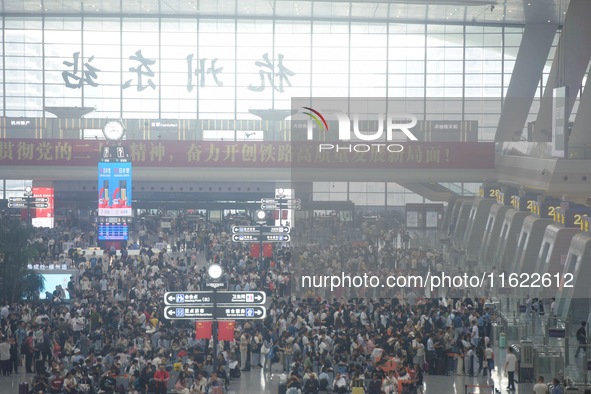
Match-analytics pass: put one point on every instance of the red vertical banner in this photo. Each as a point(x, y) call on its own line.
point(267, 250)
point(226, 330)
point(255, 250)
point(203, 330)
point(283, 214)
point(44, 217)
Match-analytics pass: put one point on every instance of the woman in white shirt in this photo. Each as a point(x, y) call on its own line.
point(199, 386)
point(70, 383)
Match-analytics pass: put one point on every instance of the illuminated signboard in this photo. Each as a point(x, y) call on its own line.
point(114, 186)
point(113, 232)
point(44, 217)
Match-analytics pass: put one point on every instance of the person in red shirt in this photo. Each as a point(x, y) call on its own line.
point(161, 377)
point(57, 382)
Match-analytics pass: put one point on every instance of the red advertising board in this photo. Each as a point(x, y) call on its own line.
point(44, 217)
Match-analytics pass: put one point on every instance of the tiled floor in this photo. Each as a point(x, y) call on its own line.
point(256, 382)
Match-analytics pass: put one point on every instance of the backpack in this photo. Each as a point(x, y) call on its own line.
point(428, 327)
point(440, 323)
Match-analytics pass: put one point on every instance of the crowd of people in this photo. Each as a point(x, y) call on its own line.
point(111, 335)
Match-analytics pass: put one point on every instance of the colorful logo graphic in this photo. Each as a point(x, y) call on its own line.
point(318, 118)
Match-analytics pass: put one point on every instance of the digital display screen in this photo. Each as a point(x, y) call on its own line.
point(113, 232)
point(114, 186)
point(52, 280)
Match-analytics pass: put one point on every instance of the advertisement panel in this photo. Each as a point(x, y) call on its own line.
point(44, 217)
point(114, 186)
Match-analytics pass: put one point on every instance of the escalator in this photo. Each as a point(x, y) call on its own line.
point(438, 191)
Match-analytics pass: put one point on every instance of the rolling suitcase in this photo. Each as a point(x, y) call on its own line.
point(23, 388)
point(282, 388)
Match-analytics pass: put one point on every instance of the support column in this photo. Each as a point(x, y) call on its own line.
point(579, 142)
point(529, 65)
point(569, 64)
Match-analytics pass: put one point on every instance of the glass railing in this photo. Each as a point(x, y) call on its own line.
point(457, 188)
point(540, 150)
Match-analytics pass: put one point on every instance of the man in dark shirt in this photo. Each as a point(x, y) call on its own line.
point(108, 382)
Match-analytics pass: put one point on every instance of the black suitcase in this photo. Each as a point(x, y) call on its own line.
point(282, 388)
point(23, 388)
point(40, 366)
point(235, 373)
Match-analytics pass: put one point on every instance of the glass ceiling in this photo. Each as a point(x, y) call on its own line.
point(489, 12)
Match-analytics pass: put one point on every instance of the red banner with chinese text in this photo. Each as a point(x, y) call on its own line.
point(259, 154)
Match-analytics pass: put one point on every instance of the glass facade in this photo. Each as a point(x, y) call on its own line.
point(222, 68)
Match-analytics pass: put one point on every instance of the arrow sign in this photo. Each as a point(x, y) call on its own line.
point(27, 205)
point(171, 312)
point(288, 201)
point(268, 200)
point(264, 229)
point(257, 238)
point(221, 297)
point(276, 238)
point(24, 200)
point(245, 229)
point(276, 229)
point(208, 312)
point(246, 238)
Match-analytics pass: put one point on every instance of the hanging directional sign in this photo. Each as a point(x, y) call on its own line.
point(268, 200)
point(276, 238)
point(257, 238)
point(264, 229)
point(246, 238)
point(209, 312)
point(27, 205)
point(221, 297)
point(245, 312)
point(18, 199)
point(273, 206)
point(25, 200)
point(203, 312)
